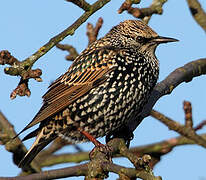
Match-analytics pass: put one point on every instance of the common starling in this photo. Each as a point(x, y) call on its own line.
point(107, 85)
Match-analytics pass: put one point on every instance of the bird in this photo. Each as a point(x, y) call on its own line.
point(106, 86)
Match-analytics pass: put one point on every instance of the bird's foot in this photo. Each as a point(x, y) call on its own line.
point(98, 146)
point(105, 149)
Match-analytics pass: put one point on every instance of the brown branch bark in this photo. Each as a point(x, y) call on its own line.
point(70, 49)
point(69, 31)
point(80, 170)
point(92, 32)
point(183, 130)
point(14, 146)
point(127, 4)
point(200, 126)
point(188, 114)
point(197, 12)
point(82, 4)
point(155, 150)
point(155, 8)
point(143, 13)
point(131, 173)
point(98, 167)
point(22, 89)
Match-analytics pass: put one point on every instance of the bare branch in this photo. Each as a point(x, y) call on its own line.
point(129, 172)
point(92, 32)
point(99, 166)
point(22, 89)
point(82, 4)
point(127, 4)
point(200, 126)
point(7, 58)
point(143, 13)
point(183, 130)
point(69, 31)
point(188, 114)
point(80, 170)
point(14, 146)
point(72, 51)
point(155, 150)
point(197, 12)
point(25, 65)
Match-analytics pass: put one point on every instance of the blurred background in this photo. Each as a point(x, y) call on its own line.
point(27, 25)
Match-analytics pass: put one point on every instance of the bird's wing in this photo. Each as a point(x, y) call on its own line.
point(84, 74)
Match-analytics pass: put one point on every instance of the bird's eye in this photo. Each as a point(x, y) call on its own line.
point(140, 39)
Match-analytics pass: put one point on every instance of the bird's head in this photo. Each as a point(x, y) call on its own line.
point(138, 35)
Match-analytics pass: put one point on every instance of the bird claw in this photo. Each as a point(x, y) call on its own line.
point(105, 149)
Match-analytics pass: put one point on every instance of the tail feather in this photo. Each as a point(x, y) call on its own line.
point(40, 142)
point(31, 134)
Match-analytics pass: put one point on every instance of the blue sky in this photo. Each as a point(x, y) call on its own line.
point(27, 25)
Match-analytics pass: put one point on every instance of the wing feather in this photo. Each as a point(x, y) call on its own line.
point(70, 86)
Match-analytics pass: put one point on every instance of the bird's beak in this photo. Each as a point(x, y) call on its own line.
point(160, 39)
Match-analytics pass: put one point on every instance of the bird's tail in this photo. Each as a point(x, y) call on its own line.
point(40, 142)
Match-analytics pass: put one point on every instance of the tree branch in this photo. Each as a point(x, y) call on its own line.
point(183, 130)
point(80, 170)
point(200, 126)
point(15, 146)
point(25, 65)
point(92, 32)
point(129, 172)
point(22, 89)
point(99, 166)
point(70, 49)
point(155, 150)
point(197, 12)
point(188, 114)
point(143, 13)
point(82, 4)
point(127, 4)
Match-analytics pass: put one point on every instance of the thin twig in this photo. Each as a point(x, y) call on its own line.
point(197, 12)
point(183, 130)
point(188, 114)
point(92, 32)
point(200, 126)
point(80, 170)
point(82, 4)
point(72, 51)
point(14, 146)
point(143, 13)
point(25, 65)
point(127, 4)
point(129, 172)
point(69, 31)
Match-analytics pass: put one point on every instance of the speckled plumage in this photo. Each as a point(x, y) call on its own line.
point(107, 85)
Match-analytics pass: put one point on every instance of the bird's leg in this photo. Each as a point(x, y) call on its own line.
point(102, 148)
point(90, 137)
